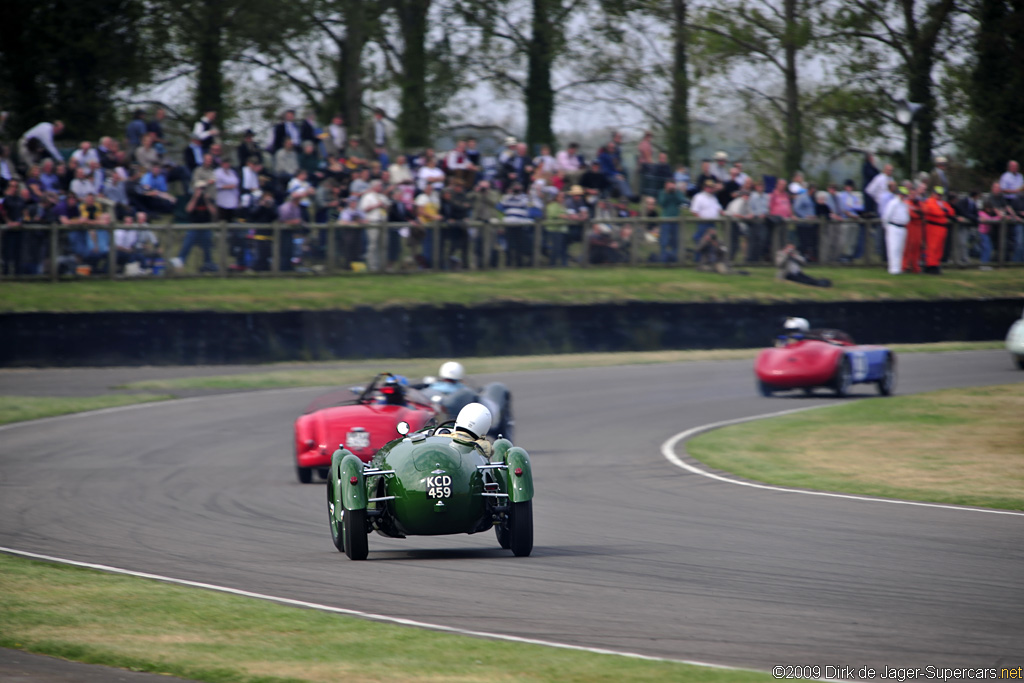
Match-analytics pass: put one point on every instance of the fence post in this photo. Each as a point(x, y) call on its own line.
point(435, 255)
point(538, 236)
point(222, 248)
point(332, 247)
point(681, 237)
point(1004, 227)
point(275, 250)
point(54, 245)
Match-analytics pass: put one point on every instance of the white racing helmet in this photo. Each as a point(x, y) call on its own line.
point(796, 325)
point(452, 371)
point(474, 418)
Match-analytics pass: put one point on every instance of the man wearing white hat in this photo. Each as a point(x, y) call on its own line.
point(720, 169)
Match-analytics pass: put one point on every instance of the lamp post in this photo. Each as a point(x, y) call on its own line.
point(906, 113)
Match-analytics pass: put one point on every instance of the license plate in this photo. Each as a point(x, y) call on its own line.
point(357, 440)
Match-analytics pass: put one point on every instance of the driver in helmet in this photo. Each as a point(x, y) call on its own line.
point(392, 392)
point(793, 328)
point(471, 427)
point(449, 378)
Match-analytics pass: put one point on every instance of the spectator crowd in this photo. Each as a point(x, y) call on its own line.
point(303, 175)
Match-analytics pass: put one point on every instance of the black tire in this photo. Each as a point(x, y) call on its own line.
point(336, 535)
point(501, 531)
point(520, 528)
point(1020, 362)
point(765, 389)
point(508, 422)
point(888, 381)
point(843, 379)
point(305, 474)
point(353, 527)
point(323, 472)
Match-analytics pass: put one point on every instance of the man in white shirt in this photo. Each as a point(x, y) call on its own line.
point(1011, 181)
point(895, 218)
point(879, 187)
point(37, 139)
point(205, 131)
point(705, 205)
point(459, 164)
point(374, 205)
point(226, 181)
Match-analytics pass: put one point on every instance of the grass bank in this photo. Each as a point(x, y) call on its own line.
point(960, 446)
point(146, 625)
point(577, 286)
point(20, 408)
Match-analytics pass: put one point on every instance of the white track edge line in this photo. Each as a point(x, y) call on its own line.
point(668, 450)
point(365, 615)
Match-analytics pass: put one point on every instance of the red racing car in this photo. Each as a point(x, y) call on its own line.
point(363, 425)
point(806, 359)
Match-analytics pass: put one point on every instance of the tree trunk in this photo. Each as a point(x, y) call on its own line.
point(540, 97)
point(210, 58)
point(794, 152)
point(414, 118)
point(678, 133)
point(348, 97)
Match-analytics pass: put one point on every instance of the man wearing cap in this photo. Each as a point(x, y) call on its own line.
point(937, 216)
point(939, 174)
point(895, 220)
point(720, 169)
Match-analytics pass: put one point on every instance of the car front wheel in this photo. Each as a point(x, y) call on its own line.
point(888, 381)
point(844, 378)
point(765, 389)
point(305, 474)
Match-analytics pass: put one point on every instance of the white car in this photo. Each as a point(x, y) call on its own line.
point(1015, 342)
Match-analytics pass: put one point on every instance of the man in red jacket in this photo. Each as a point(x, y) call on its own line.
point(937, 217)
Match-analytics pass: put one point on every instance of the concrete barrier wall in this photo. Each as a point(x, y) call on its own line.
point(197, 338)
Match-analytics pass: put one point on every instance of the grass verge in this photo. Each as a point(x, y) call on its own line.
point(559, 286)
point(960, 446)
point(358, 372)
point(146, 625)
point(19, 408)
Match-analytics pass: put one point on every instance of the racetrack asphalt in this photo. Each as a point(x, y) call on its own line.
point(631, 553)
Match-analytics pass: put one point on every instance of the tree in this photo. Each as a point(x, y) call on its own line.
point(913, 37)
point(68, 60)
point(995, 88)
point(775, 41)
point(518, 53)
point(630, 67)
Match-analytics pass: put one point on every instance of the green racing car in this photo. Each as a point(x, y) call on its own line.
point(445, 479)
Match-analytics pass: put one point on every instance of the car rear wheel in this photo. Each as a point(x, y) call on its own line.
point(765, 389)
point(888, 381)
point(844, 378)
point(520, 528)
point(1020, 362)
point(353, 526)
point(305, 474)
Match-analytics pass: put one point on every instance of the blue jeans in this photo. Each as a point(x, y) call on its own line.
point(197, 238)
point(668, 237)
point(985, 244)
point(1017, 232)
point(558, 255)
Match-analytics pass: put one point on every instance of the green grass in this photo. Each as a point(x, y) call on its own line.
point(960, 446)
point(147, 625)
point(563, 286)
point(19, 408)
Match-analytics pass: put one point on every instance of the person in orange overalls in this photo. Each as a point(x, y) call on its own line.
point(937, 216)
point(915, 233)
